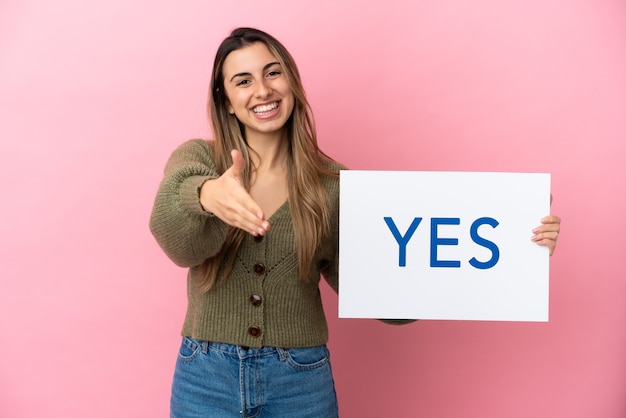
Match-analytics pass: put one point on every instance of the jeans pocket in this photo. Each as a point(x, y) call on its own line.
point(189, 349)
point(310, 358)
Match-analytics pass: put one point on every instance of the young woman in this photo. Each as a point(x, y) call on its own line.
point(254, 215)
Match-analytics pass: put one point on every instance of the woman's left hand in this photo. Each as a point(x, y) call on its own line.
point(548, 232)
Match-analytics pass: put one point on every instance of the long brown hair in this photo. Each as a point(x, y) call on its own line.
point(307, 164)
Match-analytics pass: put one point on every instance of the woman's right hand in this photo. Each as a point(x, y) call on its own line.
point(226, 198)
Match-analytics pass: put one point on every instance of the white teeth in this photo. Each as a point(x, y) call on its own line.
point(265, 108)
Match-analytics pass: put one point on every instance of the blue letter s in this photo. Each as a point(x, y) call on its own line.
point(495, 251)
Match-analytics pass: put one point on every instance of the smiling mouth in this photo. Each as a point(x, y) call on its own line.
point(265, 109)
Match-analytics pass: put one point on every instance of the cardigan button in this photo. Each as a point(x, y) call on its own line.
point(255, 299)
point(254, 331)
point(258, 238)
point(259, 268)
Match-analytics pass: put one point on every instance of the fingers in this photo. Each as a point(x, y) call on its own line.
point(547, 233)
point(551, 219)
point(241, 211)
point(246, 218)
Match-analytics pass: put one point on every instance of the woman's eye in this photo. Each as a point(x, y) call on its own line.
point(243, 82)
point(273, 73)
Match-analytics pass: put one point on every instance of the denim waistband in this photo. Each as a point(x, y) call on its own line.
point(238, 350)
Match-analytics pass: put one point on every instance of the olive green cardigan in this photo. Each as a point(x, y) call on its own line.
point(263, 303)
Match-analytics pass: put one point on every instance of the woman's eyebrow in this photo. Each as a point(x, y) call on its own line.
point(265, 67)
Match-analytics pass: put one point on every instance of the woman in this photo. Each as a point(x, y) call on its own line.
point(254, 215)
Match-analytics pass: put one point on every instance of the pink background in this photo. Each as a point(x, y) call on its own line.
point(95, 95)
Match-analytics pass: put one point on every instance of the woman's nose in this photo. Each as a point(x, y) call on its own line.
point(263, 90)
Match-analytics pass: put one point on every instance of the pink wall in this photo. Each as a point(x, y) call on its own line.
point(95, 95)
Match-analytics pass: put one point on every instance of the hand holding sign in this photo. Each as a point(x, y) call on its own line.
point(548, 232)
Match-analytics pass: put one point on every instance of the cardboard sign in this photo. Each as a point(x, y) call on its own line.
point(442, 245)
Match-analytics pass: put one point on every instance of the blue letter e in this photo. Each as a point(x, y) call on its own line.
point(435, 241)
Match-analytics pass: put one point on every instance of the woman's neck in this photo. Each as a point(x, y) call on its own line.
point(270, 151)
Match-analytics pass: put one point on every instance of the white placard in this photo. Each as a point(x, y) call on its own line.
point(442, 245)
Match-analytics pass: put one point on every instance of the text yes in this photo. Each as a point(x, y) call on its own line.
point(436, 241)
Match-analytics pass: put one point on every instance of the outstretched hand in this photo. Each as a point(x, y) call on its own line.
point(548, 232)
point(227, 198)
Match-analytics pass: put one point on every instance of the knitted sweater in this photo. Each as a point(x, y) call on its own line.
point(263, 302)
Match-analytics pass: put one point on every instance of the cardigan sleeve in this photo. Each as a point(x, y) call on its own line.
point(186, 233)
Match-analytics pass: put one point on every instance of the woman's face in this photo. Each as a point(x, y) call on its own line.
point(257, 90)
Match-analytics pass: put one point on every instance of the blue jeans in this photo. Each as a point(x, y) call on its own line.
point(222, 380)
